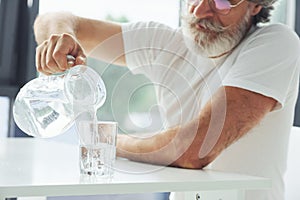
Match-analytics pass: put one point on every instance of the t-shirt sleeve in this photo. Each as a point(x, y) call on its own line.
point(143, 41)
point(267, 63)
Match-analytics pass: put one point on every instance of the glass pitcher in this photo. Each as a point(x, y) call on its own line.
point(48, 105)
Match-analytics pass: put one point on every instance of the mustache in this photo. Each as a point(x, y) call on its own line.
point(206, 23)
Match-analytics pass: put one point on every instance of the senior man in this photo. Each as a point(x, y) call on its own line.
point(226, 86)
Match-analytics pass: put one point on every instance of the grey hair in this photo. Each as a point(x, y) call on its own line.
point(264, 15)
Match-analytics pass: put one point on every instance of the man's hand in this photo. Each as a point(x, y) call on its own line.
point(51, 55)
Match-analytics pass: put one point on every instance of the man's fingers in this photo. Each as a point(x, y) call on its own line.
point(51, 55)
point(66, 45)
point(81, 60)
point(38, 59)
point(50, 61)
point(43, 66)
point(44, 62)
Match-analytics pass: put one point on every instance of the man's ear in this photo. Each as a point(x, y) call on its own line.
point(256, 9)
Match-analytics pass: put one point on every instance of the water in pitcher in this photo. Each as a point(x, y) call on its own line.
point(45, 118)
point(47, 106)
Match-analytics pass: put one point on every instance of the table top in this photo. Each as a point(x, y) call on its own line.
point(40, 167)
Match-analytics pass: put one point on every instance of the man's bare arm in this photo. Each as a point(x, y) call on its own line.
point(63, 33)
point(230, 114)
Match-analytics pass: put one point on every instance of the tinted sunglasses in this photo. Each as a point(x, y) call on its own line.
point(219, 6)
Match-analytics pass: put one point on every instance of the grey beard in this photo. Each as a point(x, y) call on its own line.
point(218, 40)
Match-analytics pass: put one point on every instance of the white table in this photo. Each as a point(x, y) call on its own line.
point(37, 167)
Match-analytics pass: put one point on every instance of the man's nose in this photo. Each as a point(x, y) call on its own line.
point(203, 10)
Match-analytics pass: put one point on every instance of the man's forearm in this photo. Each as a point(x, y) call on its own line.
point(170, 148)
point(99, 39)
point(54, 23)
point(225, 119)
point(157, 149)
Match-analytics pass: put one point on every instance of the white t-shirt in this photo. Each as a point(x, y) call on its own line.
point(265, 62)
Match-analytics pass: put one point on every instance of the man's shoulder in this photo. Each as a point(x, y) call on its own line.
point(270, 41)
point(278, 36)
point(276, 30)
point(276, 26)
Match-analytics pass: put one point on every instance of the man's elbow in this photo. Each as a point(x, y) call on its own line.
point(191, 163)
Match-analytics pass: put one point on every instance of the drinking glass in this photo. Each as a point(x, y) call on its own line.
point(97, 147)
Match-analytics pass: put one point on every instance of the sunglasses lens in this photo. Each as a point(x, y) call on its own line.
point(222, 5)
point(219, 6)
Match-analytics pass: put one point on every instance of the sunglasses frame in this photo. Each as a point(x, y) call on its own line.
point(213, 6)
